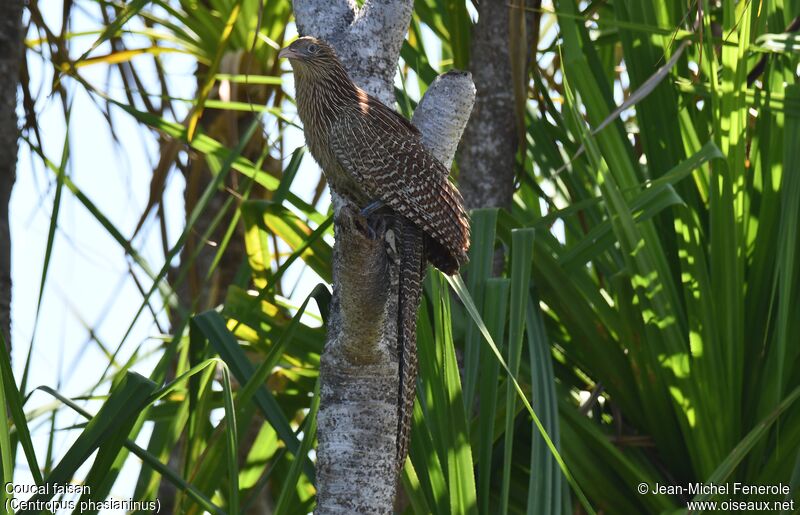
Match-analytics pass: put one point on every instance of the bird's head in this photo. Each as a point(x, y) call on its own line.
point(318, 73)
point(309, 51)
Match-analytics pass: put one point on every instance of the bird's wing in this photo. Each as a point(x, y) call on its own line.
point(391, 164)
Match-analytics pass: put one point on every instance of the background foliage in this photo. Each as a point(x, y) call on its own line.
point(647, 305)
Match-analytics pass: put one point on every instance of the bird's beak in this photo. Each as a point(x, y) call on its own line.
point(287, 53)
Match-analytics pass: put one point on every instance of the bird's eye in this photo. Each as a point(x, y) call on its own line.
point(312, 48)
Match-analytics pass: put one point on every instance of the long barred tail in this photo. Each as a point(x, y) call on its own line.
point(412, 265)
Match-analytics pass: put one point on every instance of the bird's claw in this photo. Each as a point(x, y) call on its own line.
point(371, 226)
point(371, 208)
point(376, 227)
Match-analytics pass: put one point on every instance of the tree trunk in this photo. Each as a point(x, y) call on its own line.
point(487, 156)
point(357, 421)
point(10, 51)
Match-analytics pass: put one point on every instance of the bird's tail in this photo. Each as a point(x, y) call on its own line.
point(412, 265)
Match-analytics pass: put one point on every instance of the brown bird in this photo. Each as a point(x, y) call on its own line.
point(374, 157)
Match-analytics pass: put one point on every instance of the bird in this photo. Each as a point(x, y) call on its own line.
point(374, 157)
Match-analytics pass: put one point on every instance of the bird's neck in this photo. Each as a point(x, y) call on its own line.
point(322, 94)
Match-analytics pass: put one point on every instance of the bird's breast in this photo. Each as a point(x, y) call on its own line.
point(318, 108)
point(318, 143)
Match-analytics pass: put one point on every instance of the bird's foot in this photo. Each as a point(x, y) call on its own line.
point(374, 223)
point(371, 227)
point(376, 226)
point(371, 208)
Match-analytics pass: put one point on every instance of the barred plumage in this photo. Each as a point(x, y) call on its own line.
point(368, 153)
point(412, 270)
point(391, 164)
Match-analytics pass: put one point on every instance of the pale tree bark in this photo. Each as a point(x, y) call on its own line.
point(10, 54)
point(357, 421)
point(487, 156)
